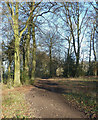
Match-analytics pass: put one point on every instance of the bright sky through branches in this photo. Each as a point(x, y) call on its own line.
point(49, 0)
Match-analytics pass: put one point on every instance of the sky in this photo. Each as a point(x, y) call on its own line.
point(84, 45)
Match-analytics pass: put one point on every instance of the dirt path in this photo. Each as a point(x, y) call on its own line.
point(46, 101)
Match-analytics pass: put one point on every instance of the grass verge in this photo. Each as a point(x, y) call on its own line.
point(82, 95)
point(15, 106)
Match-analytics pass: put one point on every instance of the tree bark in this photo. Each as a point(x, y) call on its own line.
point(17, 51)
point(15, 25)
point(9, 81)
point(78, 38)
point(50, 56)
point(27, 51)
point(34, 54)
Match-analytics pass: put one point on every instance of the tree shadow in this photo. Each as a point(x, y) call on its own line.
point(67, 86)
point(51, 86)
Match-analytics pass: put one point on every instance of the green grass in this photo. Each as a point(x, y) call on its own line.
point(14, 106)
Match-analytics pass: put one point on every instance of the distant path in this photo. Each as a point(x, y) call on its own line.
point(47, 102)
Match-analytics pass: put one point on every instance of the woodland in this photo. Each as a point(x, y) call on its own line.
point(49, 59)
point(48, 39)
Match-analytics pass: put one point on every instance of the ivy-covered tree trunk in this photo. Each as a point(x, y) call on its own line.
point(27, 53)
point(34, 54)
point(15, 25)
point(17, 51)
point(17, 64)
point(14, 12)
point(23, 72)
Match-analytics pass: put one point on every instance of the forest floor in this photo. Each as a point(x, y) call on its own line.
point(51, 98)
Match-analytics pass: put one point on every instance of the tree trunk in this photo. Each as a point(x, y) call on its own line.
point(17, 51)
point(17, 64)
point(77, 52)
point(27, 57)
point(50, 64)
point(97, 32)
point(90, 57)
point(34, 54)
point(68, 55)
point(78, 38)
point(9, 81)
point(23, 72)
point(95, 68)
point(0, 64)
point(14, 11)
point(96, 56)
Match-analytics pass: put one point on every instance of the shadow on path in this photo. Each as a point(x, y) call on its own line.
point(46, 101)
point(50, 86)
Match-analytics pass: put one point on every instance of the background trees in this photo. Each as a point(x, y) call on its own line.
point(49, 43)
